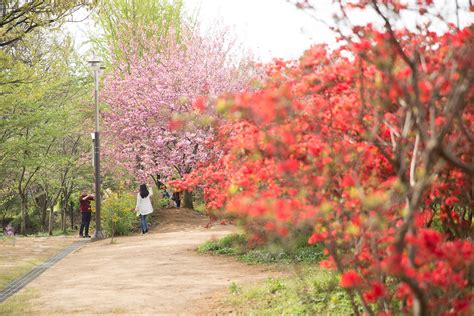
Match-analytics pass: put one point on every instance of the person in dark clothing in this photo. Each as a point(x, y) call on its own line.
point(86, 212)
point(177, 198)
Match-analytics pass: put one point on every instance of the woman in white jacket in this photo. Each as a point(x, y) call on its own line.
point(144, 207)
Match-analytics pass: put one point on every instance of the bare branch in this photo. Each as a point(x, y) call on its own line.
point(458, 163)
point(413, 160)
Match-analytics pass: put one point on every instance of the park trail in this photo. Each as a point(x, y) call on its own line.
point(159, 273)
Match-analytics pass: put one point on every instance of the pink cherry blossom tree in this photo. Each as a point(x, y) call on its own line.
point(148, 94)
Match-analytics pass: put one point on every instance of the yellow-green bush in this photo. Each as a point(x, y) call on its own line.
point(118, 213)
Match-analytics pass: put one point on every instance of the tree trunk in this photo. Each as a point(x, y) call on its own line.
point(157, 181)
point(44, 211)
point(51, 220)
point(71, 209)
point(62, 218)
point(188, 200)
point(42, 204)
point(66, 204)
point(24, 210)
point(63, 215)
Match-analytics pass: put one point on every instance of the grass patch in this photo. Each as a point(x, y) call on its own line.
point(26, 253)
point(18, 304)
point(17, 271)
point(312, 291)
point(57, 232)
point(236, 245)
point(230, 245)
point(200, 207)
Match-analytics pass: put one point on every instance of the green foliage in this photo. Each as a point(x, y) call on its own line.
point(234, 288)
point(307, 254)
point(57, 232)
point(200, 207)
point(231, 245)
point(198, 200)
point(163, 202)
point(121, 18)
point(42, 94)
point(310, 292)
point(158, 201)
point(237, 245)
point(18, 18)
point(118, 214)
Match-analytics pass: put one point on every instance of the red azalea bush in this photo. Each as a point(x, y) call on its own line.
point(374, 152)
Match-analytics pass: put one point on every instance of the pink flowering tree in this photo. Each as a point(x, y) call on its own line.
point(149, 95)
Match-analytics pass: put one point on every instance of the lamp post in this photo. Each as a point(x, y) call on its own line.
point(95, 67)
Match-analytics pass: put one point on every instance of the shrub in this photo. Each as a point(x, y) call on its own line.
point(371, 151)
point(238, 245)
point(118, 214)
point(229, 245)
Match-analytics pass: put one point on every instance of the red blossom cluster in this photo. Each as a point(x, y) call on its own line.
point(373, 152)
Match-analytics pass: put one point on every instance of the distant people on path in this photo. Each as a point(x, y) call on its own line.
point(144, 206)
point(86, 212)
point(9, 232)
point(165, 195)
point(177, 197)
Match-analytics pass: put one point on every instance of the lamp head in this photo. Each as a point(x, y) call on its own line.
point(95, 63)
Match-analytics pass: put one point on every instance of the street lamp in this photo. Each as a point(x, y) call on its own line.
point(96, 69)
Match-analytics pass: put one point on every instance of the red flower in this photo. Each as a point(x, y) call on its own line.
point(350, 279)
point(451, 200)
point(290, 165)
point(200, 103)
point(175, 124)
point(377, 290)
point(316, 237)
point(327, 264)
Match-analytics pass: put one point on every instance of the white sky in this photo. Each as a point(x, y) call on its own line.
point(269, 28)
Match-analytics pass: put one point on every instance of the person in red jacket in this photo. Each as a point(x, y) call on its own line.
point(86, 212)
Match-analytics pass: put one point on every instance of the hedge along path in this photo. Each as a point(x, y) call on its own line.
point(157, 273)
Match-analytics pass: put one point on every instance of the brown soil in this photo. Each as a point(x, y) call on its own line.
point(154, 274)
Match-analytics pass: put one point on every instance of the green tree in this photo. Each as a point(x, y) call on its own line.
point(39, 107)
point(130, 17)
point(18, 18)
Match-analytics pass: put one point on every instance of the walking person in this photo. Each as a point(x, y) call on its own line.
point(144, 206)
point(177, 197)
point(86, 213)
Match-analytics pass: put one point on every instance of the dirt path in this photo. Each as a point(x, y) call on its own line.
point(154, 274)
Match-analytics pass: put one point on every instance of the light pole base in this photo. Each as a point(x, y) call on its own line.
point(97, 235)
